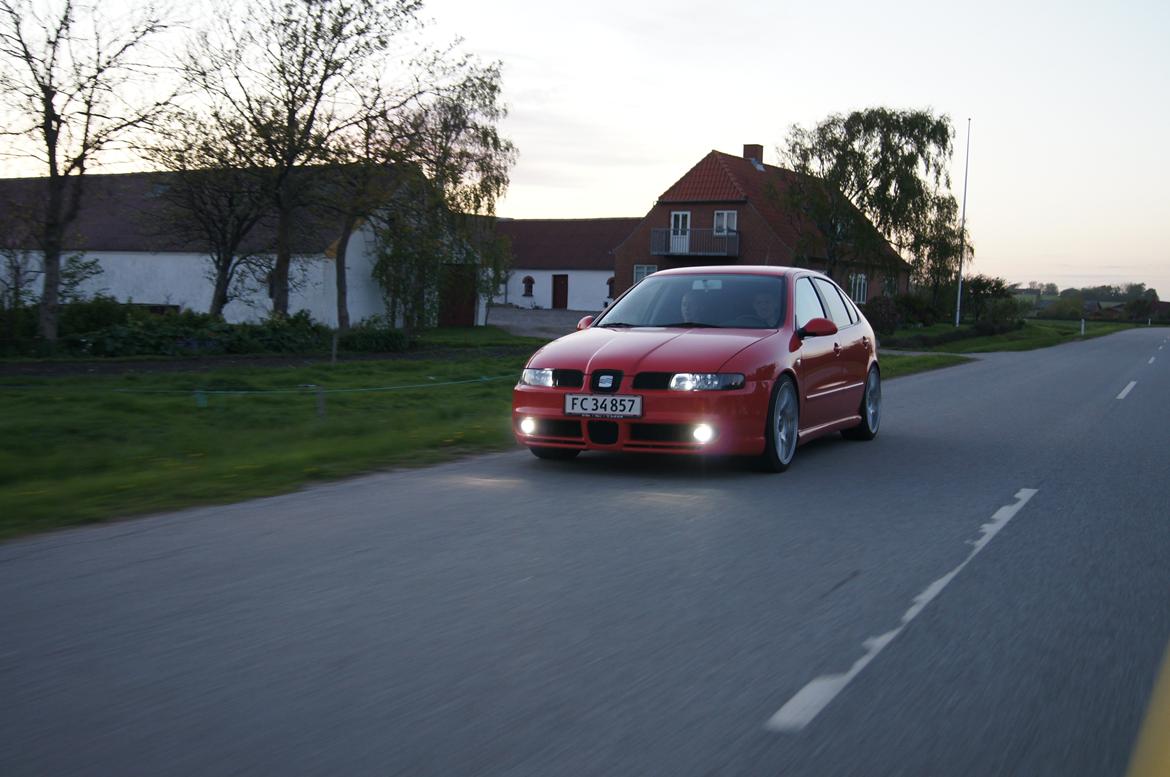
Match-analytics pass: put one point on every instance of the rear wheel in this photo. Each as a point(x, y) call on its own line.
point(553, 454)
point(783, 428)
point(870, 410)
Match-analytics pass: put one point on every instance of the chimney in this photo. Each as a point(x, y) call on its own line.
point(754, 153)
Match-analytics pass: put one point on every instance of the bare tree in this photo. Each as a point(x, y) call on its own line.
point(293, 74)
point(65, 78)
point(215, 199)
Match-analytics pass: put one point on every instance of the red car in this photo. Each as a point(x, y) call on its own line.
point(733, 360)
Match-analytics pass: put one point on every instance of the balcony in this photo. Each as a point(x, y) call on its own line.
point(693, 242)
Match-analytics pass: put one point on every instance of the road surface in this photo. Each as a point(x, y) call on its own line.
point(982, 590)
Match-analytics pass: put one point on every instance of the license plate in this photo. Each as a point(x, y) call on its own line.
point(604, 405)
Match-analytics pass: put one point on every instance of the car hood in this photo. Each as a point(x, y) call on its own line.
point(651, 349)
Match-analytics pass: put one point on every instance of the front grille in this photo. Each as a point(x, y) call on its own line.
point(551, 427)
point(568, 378)
point(603, 432)
point(595, 381)
point(652, 380)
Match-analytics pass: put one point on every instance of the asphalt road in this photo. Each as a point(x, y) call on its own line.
point(983, 590)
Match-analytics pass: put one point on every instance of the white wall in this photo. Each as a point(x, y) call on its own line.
point(587, 289)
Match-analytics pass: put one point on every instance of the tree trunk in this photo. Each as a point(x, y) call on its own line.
point(283, 260)
point(342, 287)
point(220, 292)
point(51, 260)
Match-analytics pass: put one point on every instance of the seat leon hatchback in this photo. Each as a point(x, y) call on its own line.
point(727, 360)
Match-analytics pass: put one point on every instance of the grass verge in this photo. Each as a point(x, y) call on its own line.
point(86, 448)
point(896, 365)
point(1035, 333)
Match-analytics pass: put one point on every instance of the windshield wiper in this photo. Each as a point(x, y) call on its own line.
point(614, 324)
point(691, 325)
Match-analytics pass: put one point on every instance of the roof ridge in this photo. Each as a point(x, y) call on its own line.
point(735, 181)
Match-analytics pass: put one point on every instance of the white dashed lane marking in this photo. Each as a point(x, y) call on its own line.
point(1151, 361)
point(1125, 391)
point(808, 702)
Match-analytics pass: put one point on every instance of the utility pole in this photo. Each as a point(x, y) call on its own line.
point(962, 227)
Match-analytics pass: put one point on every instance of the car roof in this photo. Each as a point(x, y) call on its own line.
point(738, 269)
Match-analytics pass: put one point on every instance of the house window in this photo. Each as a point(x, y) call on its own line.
point(642, 270)
point(725, 221)
point(858, 287)
point(609, 289)
point(528, 281)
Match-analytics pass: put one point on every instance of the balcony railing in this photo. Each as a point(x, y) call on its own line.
point(693, 242)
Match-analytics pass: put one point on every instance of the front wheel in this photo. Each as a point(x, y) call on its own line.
point(553, 454)
point(870, 410)
point(783, 428)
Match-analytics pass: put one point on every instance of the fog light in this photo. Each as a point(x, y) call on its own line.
point(528, 425)
point(703, 433)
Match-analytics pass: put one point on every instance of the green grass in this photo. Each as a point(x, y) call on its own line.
point(81, 449)
point(474, 337)
point(895, 365)
point(1036, 333)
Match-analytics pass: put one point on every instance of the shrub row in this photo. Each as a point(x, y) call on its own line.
point(104, 328)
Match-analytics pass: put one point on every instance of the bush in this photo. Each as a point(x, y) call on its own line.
point(374, 335)
point(882, 314)
point(914, 309)
point(999, 316)
point(91, 315)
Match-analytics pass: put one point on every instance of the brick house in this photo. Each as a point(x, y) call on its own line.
point(731, 210)
point(562, 263)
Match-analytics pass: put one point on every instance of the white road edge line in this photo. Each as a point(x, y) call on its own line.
point(808, 702)
point(1125, 391)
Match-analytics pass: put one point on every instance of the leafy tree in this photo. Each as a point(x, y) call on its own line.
point(979, 291)
point(67, 79)
point(867, 177)
point(1050, 290)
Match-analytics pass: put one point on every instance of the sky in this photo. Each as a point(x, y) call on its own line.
point(611, 102)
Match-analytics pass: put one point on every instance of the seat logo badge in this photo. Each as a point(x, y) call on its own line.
point(605, 381)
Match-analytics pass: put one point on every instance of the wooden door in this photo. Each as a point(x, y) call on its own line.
point(560, 299)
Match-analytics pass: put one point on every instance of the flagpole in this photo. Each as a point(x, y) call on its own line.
point(962, 227)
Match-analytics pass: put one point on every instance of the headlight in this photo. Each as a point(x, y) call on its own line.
point(537, 378)
point(706, 381)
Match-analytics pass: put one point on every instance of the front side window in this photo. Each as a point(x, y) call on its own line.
point(701, 301)
point(838, 309)
point(725, 221)
point(808, 304)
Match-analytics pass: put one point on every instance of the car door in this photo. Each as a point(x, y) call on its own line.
point(851, 349)
point(817, 370)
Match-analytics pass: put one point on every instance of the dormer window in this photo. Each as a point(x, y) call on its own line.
point(725, 221)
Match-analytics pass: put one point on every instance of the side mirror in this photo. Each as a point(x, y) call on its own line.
point(817, 327)
point(585, 322)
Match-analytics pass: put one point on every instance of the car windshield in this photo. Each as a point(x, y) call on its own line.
point(728, 301)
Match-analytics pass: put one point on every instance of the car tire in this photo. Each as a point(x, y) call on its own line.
point(554, 454)
point(781, 434)
point(870, 410)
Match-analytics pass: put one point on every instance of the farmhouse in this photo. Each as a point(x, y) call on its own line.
point(734, 210)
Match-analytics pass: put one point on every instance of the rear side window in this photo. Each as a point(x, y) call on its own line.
point(808, 306)
point(838, 310)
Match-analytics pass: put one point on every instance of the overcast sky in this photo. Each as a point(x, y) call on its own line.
point(611, 102)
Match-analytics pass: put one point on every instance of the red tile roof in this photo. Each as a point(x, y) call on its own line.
point(565, 244)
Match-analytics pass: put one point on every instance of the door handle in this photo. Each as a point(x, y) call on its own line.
point(837, 349)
